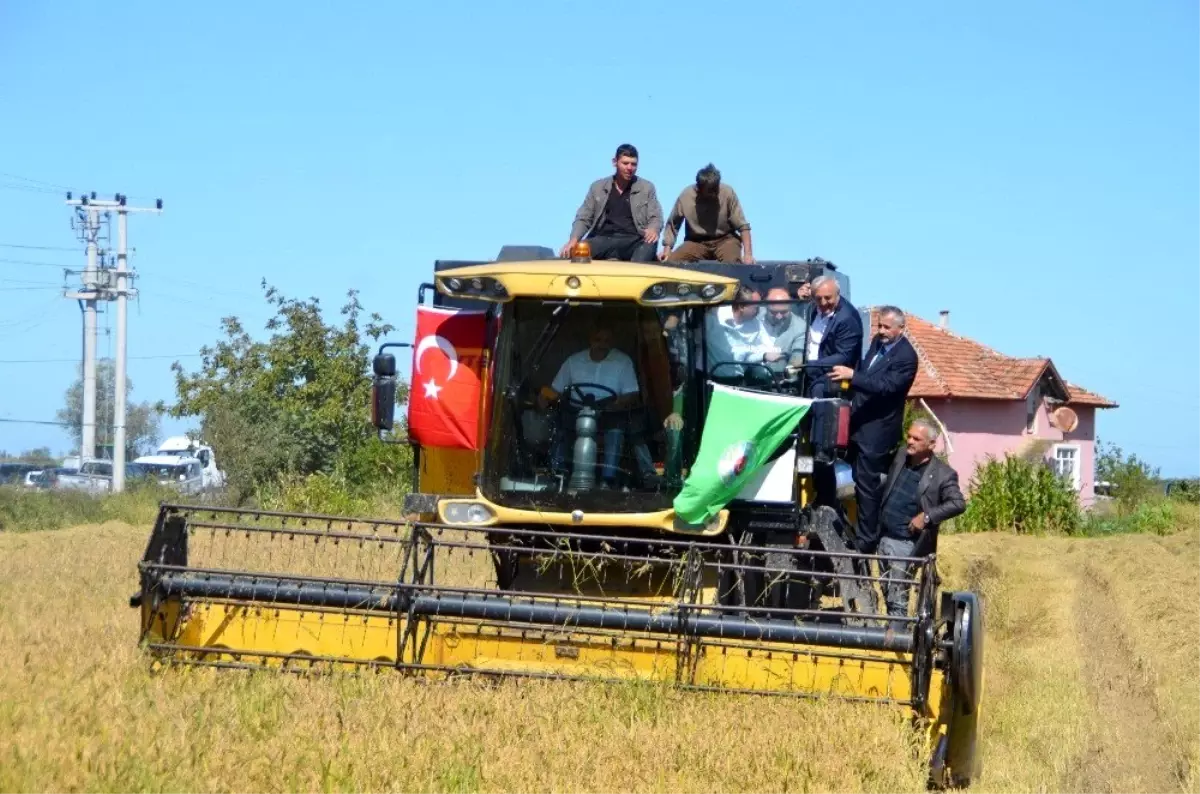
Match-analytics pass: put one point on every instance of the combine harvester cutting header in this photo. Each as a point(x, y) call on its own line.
point(653, 520)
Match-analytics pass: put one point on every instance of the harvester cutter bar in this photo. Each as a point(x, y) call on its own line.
point(311, 661)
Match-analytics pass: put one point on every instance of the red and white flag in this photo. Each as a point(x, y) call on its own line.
point(444, 400)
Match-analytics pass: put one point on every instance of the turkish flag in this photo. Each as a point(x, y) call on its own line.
point(444, 399)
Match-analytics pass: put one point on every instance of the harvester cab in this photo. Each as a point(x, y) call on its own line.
point(561, 413)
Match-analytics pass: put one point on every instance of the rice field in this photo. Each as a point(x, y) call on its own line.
point(1093, 684)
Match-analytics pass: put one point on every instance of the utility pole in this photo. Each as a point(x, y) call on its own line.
point(115, 285)
point(89, 216)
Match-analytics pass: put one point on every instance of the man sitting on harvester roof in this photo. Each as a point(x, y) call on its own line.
point(607, 375)
point(620, 216)
point(715, 227)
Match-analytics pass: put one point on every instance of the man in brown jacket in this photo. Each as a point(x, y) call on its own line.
point(716, 226)
point(620, 216)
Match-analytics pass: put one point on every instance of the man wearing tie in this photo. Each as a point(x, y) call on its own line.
point(835, 334)
point(880, 386)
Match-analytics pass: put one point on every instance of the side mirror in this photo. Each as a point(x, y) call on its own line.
point(383, 397)
point(384, 365)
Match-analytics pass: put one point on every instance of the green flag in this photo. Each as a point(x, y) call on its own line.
point(741, 431)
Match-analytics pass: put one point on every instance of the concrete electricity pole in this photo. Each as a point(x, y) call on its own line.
point(88, 215)
point(112, 285)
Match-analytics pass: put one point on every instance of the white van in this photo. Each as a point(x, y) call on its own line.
point(184, 474)
point(182, 446)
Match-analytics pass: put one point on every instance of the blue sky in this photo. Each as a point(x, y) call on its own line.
point(1031, 167)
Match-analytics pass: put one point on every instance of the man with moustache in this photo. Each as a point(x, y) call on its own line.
point(880, 385)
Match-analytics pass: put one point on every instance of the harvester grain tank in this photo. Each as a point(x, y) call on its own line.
point(523, 553)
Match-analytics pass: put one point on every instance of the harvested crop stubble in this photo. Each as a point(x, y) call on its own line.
point(80, 708)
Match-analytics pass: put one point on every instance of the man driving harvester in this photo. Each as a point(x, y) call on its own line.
point(607, 376)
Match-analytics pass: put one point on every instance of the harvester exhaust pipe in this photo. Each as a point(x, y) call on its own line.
point(583, 462)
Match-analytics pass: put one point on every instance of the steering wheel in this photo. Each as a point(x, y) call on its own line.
point(577, 398)
point(762, 373)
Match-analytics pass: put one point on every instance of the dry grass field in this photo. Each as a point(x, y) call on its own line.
point(1092, 684)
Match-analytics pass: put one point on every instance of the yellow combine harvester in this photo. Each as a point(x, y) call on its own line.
point(539, 541)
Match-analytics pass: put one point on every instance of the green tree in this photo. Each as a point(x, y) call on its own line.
point(294, 405)
point(39, 455)
point(1134, 481)
point(141, 419)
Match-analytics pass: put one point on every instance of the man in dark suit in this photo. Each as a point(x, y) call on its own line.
point(835, 335)
point(880, 386)
point(921, 493)
point(834, 338)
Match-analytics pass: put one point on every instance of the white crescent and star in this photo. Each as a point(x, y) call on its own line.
point(443, 344)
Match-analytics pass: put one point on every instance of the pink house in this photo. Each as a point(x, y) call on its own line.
point(992, 404)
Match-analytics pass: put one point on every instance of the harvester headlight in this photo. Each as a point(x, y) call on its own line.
point(684, 289)
point(453, 284)
point(573, 282)
point(709, 291)
point(657, 291)
point(467, 513)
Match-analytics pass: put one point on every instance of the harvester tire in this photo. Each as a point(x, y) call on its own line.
point(962, 761)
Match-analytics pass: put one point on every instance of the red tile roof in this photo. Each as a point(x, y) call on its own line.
point(954, 366)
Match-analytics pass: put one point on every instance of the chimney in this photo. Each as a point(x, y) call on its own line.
point(944, 319)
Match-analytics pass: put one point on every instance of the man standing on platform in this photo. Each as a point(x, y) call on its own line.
point(880, 386)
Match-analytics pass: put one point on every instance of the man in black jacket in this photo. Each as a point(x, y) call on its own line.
point(835, 334)
point(921, 493)
point(880, 386)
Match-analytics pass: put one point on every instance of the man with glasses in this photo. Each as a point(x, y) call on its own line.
point(783, 332)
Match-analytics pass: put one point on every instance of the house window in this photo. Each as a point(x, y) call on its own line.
point(1066, 463)
point(1032, 403)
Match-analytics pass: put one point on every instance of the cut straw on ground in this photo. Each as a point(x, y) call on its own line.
point(81, 709)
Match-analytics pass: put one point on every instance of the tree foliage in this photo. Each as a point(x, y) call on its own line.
point(141, 419)
point(294, 405)
point(1133, 481)
point(1020, 493)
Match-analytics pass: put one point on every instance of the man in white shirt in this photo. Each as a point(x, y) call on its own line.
point(734, 333)
point(602, 365)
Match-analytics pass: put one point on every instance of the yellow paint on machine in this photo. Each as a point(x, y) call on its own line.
point(599, 280)
point(263, 634)
point(660, 520)
point(447, 470)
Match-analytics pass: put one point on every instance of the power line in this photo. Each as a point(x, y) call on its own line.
point(29, 189)
point(39, 247)
point(34, 181)
point(76, 360)
point(34, 422)
point(31, 263)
